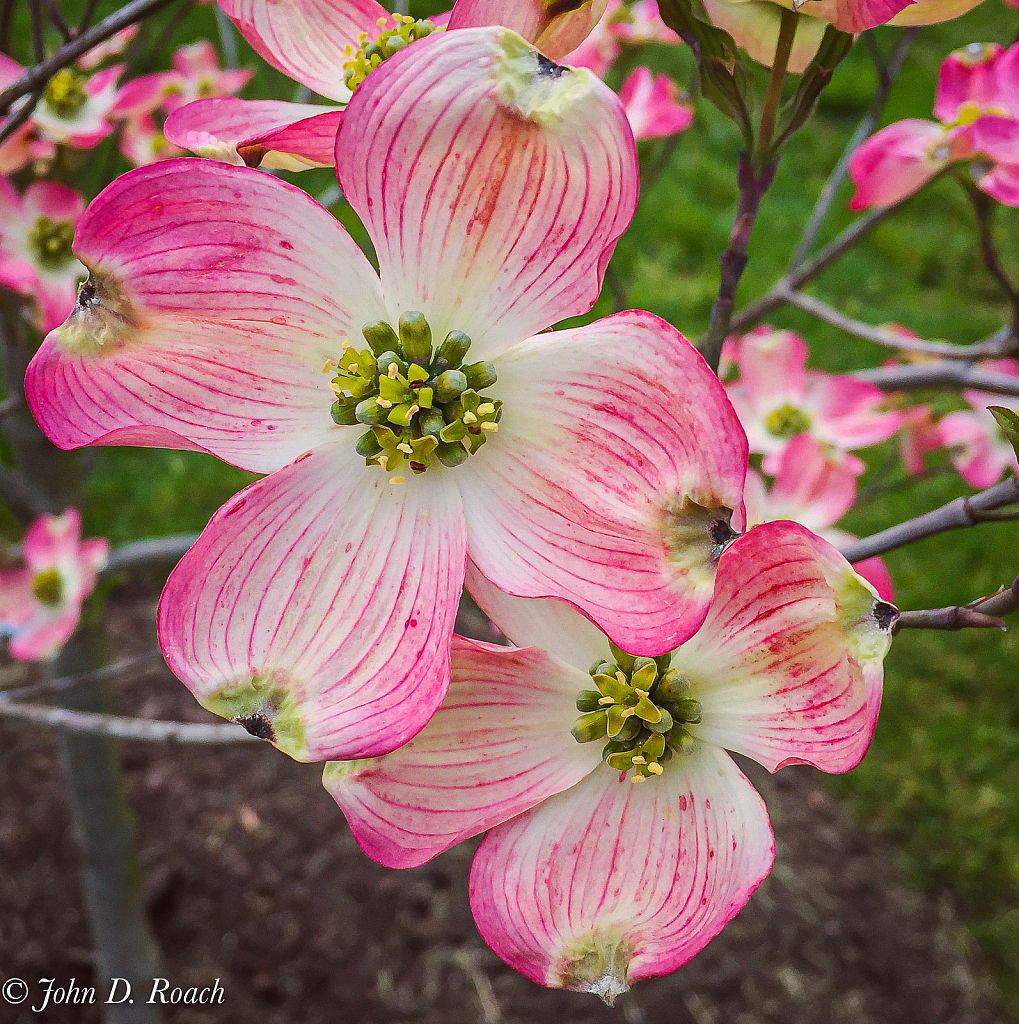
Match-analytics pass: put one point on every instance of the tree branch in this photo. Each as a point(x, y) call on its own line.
point(98, 675)
point(886, 79)
point(957, 514)
point(942, 374)
point(144, 552)
point(984, 613)
point(35, 78)
point(98, 724)
point(889, 339)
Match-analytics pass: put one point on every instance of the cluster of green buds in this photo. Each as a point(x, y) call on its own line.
point(65, 93)
point(51, 241)
point(391, 41)
point(48, 587)
point(642, 708)
point(419, 401)
point(787, 421)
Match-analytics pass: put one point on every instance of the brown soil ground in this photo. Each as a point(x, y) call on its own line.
point(252, 877)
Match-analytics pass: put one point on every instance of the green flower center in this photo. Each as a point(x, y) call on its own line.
point(419, 401)
point(641, 706)
point(787, 421)
point(370, 55)
point(48, 587)
point(51, 241)
point(65, 94)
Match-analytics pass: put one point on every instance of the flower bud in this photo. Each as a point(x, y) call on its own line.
point(664, 724)
point(454, 348)
point(370, 412)
point(480, 375)
point(623, 660)
point(451, 453)
point(368, 446)
point(689, 710)
point(588, 700)
point(449, 386)
point(385, 360)
point(589, 727)
point(672, 685)
point(380, 337)
point(415, 335)
point(431, 422)
point(393, 45)
point(343, 414)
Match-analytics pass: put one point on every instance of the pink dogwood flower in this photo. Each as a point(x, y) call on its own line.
point(641, 22)
point(654, 105)
point(918, 437)
point(977, 107)
point(330, 46)
point(317, 606)
point(199, 76)
point(975, 442)
point(816, 488)
point(40, 603)
point(754, 24)
point(777, 398)
point(112, 47)
point(585, 880)
point(36, 261)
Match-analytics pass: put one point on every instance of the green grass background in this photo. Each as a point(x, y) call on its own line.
point(941, 781)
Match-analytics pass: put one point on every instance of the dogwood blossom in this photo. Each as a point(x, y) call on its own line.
point(330, 46)
point(974, 439)
point(815, 487)
point(36, 261)
point(777, 398)
point(640, 22)
point(585, 880)
point(654, 106)
point(755, 24)
point(977, 107)
point(40, 603)
point(598, 465)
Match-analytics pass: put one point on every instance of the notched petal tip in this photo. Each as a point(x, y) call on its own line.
point(866, 620)
point(596, 963)
point(536, 88)
point(102, 318)
point(266, 706)
point(696, 535)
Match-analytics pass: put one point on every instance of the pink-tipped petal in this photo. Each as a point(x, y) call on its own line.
point(45, 633)
point(499, 745)
point(318, 605)
point(556, 28)
point(17, 599)
point(653, 105)
point(258, 132)
point(493, 184)
point(609, 882)
point(854, 15)
point(974, 448)
point(813, 486)
point(901, 159)
point(771, 366)
point(850, 412)
point(611, 481)
point(967, 77)
point(779, 663)
point(1002, 183)
point(216, 295)
point(552, 625)
point(307, 39)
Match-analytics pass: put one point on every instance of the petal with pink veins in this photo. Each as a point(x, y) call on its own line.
point(778, 665)
point(813, 486)
point(609, 883)
point(265, 133)
point(499, 744)
point(307, 39)
point(772, 366)
point(317, 606)
point(850, 412)
point(612, 479)
point(531, 178)
point(216, 294)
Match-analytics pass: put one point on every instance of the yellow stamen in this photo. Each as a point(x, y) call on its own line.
point(638, 778)
point(396, 479)
point(489, 428)
point(621, 678)
point(640, 693)
point(655, 768)
point(640, 759)
point(346, 343)
point(327, 366)
point(606, 700)
point(404, 447)
point(486, 408)
point(469, 417)
point(627, 712)
point(384, 402)
point(392, 371)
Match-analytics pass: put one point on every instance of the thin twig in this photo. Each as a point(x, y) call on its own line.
point(985, 613)
point(35, 78)
point(943, 374)
point(100, 675)
point(886, 79)
point(795, 280)
point(227, 39)
point(889, 339)
point(53, 10)
point(150, 730)
point(8, 405)
point(957, 514)
point(145, 552)
point(984, 208)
